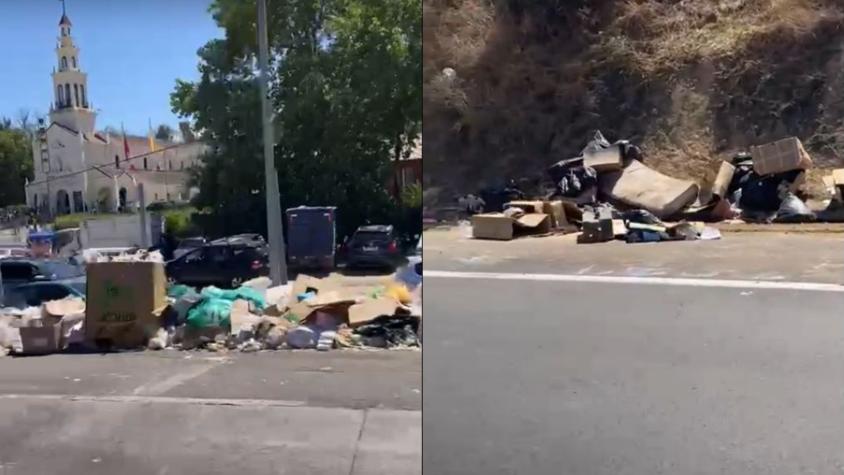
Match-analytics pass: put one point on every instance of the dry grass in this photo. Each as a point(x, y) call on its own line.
point(690, 80)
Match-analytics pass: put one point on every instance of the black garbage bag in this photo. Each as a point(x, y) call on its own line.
point(577, 180)
point(764, 193)
point(495, 198)
point(641, 216)
point(395, 330)
point(794, 210)
point(742, 174)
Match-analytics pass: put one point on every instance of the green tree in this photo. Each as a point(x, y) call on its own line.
point(16, 163)
point(164, 132)
point(346, 90)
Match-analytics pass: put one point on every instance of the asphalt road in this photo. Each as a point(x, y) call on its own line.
point(170, 412)
point(584, 378)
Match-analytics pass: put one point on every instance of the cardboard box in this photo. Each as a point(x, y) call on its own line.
point(527, 206)
point(838, 177)
point(492, 226)
point(41, 340)
point(123, 302)
point(533, 223)
point(723, 179)
point(605, 160)
point(780, 156)
point(556, 212)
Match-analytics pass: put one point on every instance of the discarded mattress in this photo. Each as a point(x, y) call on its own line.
point(641, 187)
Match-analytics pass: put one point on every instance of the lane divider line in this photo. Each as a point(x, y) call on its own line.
point(606, 279)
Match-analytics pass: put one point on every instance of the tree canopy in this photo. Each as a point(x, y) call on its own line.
point(15, 161)
point(345, 84)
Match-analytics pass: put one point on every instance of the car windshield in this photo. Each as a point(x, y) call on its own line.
point(192, 242)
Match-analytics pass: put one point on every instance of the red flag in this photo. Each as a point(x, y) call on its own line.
point(125, 144)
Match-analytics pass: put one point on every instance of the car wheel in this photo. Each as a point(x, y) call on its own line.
point(236, 282)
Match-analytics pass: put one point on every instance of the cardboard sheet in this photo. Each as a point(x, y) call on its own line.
point(642, 187)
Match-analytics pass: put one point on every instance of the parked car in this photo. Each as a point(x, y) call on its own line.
point(36, 293)
point(188, 244)
point(220, 263)
point(14, 251)
point(16, 273)
point(373, 246)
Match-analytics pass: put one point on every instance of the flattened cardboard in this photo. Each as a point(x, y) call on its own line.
point(527, 206)
point(369, 310)
point(605, 160)
point(122, 300)
point(780, 156)
point(536, 222)
point(492, 226)
point(723, 180)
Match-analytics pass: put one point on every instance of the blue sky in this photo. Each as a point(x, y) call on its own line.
point(133, 52)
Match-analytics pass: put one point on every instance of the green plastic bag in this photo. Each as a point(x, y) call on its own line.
point(178, 291)
point(210, 312)
point(241, 293)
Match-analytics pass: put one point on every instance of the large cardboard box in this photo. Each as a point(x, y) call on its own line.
point(492, 226)
point(41, 340)
point(780, 156)
point(604, 160)
point(124, 300)
point(556, 212)
point(504, 228)
point(723, 180)
point(526, 206)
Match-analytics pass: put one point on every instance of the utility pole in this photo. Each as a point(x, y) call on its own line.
point(275, 235)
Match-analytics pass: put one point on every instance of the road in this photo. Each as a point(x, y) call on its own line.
point(170, 412)
point(628, 375)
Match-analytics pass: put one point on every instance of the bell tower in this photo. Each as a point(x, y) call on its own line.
point(70, 84)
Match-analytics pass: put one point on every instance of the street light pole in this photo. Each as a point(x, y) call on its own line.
point(275, 235)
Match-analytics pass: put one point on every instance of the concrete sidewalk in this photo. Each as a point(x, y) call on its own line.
point(199, 413)
point(752, 256)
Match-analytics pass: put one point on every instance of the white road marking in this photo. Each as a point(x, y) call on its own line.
point(155, 388)
point(674, 281)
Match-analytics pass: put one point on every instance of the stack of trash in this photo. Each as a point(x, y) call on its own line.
point(608, 189)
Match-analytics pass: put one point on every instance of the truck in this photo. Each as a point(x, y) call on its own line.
point(311, 237)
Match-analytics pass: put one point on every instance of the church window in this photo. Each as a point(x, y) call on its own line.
point(146, 166)
point(82, 93)
point(60, 96)
point(76, 94)
point(67, 95)
point(117, 161)
point(64, 63)
point(73, 61)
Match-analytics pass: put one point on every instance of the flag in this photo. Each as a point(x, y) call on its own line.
point(125, 144)
point(151, 140)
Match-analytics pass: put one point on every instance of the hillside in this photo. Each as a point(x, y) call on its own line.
point(512, 86)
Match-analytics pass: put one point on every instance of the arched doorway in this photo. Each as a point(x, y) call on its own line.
point(122, 198)
point(62, 202)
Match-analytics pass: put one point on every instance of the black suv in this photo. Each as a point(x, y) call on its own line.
point(226, 262)
point(373, 246)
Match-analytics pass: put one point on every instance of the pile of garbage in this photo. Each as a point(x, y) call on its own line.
point(609, 192)
point(129, 307)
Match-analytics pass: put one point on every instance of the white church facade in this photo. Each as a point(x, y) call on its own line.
point(77, 168)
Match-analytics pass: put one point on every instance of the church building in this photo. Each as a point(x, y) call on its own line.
point(78, 169)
